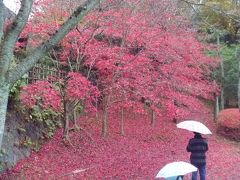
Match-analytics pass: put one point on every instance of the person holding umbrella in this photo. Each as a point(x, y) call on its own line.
point(198, 146)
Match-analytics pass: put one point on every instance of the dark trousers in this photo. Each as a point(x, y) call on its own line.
point(202, 172)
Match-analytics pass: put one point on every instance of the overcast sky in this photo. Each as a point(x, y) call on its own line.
point(12, 5)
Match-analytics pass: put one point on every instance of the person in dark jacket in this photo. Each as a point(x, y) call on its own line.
point(198, 146)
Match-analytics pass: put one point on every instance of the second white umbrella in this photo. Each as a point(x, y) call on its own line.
point(176, 169)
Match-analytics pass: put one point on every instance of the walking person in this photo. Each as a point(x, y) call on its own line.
point(198, 146)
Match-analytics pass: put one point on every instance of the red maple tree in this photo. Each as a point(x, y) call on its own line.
point(142, 53)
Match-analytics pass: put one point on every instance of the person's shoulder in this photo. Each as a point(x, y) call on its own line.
point(205, 140)
point(198, 139)
point(192, 140)
point(202, 140)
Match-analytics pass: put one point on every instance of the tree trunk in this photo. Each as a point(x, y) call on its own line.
point(216, 108)
point(121, 123)
point(66, 121)
point(104, 122)
point(76, 115)
point(4, 93)
point(96, 110)
point(222, 98)
point(104, 116)
point(152, 118)
point(2, 9)
point(222, 74)
point(238, 57)
point(239, 88)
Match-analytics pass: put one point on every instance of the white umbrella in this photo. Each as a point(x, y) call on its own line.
point(194, 126)
point(178, 168)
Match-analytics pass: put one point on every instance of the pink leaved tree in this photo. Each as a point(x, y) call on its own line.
point(146, 57)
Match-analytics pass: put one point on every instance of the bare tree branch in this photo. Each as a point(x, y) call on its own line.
point(12, 34)
point(214, 9)
point(1, 19)
point(38, 52)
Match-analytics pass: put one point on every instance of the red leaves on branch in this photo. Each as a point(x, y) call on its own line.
point(44, 94)
point(229, 118)
point(79, 88)
point(146, 52)
point(41, 93)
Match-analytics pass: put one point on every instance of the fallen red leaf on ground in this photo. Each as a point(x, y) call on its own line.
point(138, 155)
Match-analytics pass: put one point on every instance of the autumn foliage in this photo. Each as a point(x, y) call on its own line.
point(229, 123)
point(41, 93)
point(144, 56)
point(229, 118)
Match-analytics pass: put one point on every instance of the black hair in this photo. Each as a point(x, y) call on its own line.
point(198, 135)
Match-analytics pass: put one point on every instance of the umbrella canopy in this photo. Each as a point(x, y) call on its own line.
point(176, 169)
point(194, 126)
